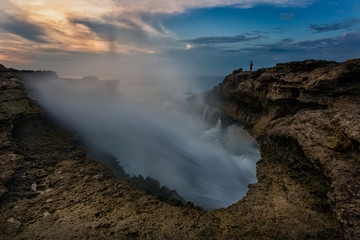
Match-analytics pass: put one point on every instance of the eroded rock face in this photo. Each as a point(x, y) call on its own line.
point(49, 189)
point(305, 116)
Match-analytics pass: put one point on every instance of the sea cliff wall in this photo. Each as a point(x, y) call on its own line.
point(50, 189)
point(304, 115)
point(306, 119)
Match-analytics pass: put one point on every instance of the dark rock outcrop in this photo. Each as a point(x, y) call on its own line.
point(304, 115)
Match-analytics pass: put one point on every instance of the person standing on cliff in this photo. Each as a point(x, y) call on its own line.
point(251, 64)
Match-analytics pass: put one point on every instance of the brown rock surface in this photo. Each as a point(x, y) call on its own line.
point(305, 116)
point(306, 119)
point(50, 190)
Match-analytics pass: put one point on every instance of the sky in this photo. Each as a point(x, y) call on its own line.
point(188, 38)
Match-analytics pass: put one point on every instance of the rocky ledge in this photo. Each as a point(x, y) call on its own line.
point(306, 119)
point(304, 115)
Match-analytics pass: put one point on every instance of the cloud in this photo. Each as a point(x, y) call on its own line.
point(125, 14)
point(345, 46)
point(224, 39)
point(114, 33)
point(333, 3)
point(23, 28)
point(351, 23)
point(78, 26)
point(16, 49)
point(218, 60)
point(287, 16)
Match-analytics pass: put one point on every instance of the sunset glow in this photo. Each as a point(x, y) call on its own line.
point(212, 30)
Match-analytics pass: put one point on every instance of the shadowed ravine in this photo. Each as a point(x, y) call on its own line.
point(304, 116)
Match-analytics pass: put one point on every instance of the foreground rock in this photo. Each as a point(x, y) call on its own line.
point(49, 189)
point(304, 115)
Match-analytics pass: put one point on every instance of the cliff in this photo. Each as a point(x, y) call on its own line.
point(306, 119)
point(49, 189)
point(304, 115)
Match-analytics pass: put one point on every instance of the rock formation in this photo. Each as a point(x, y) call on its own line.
point(49, 189)
point(306, 119)
point(304, 115)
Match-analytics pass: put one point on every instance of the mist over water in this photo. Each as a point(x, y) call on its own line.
point(145, 128)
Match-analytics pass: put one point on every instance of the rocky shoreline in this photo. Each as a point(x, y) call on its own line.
point(306, 119)
point(304, 115)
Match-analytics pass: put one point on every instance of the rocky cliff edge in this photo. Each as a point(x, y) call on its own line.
point(306, 119)
point(304, 115)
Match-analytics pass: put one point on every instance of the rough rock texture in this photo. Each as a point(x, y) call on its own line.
point(306, 119)
point(304, 115)
point(49, 189)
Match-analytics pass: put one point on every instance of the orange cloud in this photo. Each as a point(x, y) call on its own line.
point(55, 25)
point(54, 18)
point(15, 59)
